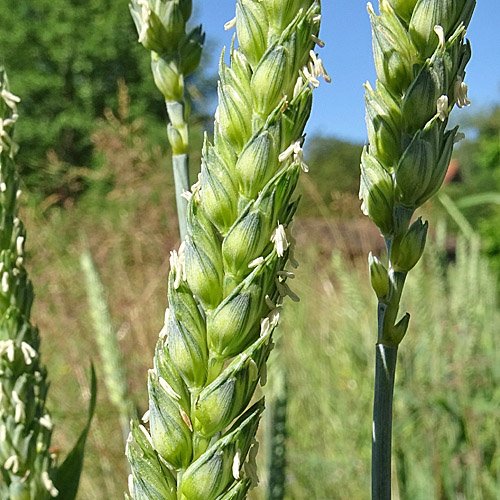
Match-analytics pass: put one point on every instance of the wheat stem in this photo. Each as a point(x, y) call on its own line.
point(420, 57)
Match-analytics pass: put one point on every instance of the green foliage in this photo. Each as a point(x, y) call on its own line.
point(66, 58)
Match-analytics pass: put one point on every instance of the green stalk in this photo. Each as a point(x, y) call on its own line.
point(385, 370)
point(175, 54)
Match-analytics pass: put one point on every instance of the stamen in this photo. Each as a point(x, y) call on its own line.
point(460, 91)
point(256, 262)
point(49, 485)
point(230, 24)
point(237, 465)
point(279, 239)
point(443, 107)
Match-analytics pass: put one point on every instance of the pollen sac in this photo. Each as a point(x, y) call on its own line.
point(190, 50)
point(210, 475)
point(257, 164)
point(170, 433)
point(221, 401)
point(376, 192)
point(188, 351)
point(219, 194)
point(393, 62)
point(407, 252)
point(167, 78)
point(378, 276)
point(251, 28)
point(150, 478)
point(269, 79)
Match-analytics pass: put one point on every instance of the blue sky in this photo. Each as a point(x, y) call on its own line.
point(339, 107)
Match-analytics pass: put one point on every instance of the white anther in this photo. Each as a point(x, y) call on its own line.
point(317, 68)
point(168, 389)
point(146, 434)
point(8, 347)
point(49, 485)
point(299, 84)
point(230, 24)
point(294, 149)
point(442, 107)
point(12, 463)
point(46, 422)
point(460, 91)
point(10, 99)
point(256, 262)
point(187, 195)
point(28, 352)
point(317, 19)
point(438, 29)
point(145, 417)
point(237, 465)
point(279, 239)
point(3, 187)
point(18, 194)
point(19, 411)
point(20, 245)
point(5, 282)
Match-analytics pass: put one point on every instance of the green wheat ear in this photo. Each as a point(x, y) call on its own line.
point(28, 470)
point(228, 279)
point(420, 57)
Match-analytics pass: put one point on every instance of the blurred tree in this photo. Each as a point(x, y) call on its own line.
point(65, 58)
point(334, 176)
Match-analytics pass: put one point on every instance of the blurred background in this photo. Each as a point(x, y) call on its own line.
point(95, 165)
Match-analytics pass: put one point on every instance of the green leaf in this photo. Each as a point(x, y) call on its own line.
point(67, 476)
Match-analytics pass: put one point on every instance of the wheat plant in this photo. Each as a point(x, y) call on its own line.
point(28, 469)
point(228, 278)
point(420, 56)
point(175, 54)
